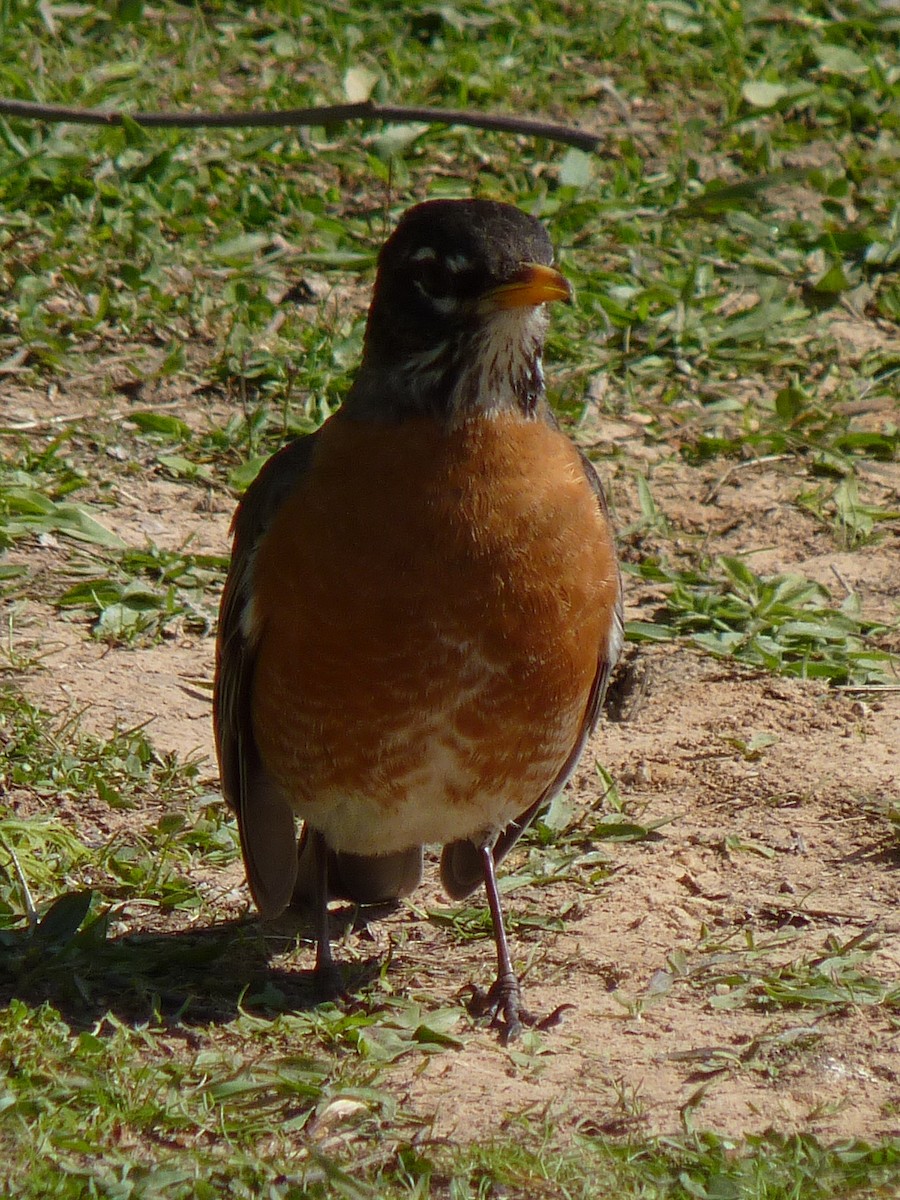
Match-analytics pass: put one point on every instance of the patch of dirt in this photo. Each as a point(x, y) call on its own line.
point(763, 858)
point(787, 850)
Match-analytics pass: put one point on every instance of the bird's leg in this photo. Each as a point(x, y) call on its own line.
point(326, 976)
point(505, 996)
point(504, 1000)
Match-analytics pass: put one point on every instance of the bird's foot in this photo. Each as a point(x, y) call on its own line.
point(503, 1003)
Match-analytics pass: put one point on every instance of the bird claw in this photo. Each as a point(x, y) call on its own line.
point(503, 1003)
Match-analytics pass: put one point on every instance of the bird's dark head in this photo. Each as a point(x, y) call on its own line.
point(456, 323)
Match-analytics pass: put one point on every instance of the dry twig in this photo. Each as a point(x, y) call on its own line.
point(328, 114)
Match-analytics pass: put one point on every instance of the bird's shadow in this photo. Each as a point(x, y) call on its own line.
point(196, 976)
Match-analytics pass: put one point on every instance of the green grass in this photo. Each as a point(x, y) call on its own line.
point(745, 976)
point(114, 1086)
point(743, 201)
point(203, 1120)
point(53, 762)
point(783, 623)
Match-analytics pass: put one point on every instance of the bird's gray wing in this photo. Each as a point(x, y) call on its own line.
point(276, 872)
point(264, 814)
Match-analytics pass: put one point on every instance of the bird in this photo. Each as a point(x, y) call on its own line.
point(424, 603)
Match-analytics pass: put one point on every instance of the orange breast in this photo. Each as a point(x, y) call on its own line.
point(430, 608)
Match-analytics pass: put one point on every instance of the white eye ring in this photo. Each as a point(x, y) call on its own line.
point(455, 264)
point(443, 304)
point(458, 263)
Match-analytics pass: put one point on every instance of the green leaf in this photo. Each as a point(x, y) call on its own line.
point(245, 245)
point(394, 140)
point(620, 831)
point(647, 631)
point(90, 593)
point(576, 168)
point(833, 281)
point(739, 573)
point(63, 918)
point(840, 60)
point(183, 468)
point(359, 83)
point(129, 11)
point(163, 423)
point(112, 797)
point(78, 523)
point(721, 197)
point(790, 402)
point(762, 94)
point(27, 501)
point(427, 1035)
point(242, 476)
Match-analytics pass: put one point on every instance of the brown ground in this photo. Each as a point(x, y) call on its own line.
point(790, 848)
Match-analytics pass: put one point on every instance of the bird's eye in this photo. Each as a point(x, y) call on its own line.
point(438, 278)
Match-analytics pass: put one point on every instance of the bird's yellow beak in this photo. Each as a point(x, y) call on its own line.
point(534, 284)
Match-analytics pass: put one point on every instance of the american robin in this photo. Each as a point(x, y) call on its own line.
point(423, 605)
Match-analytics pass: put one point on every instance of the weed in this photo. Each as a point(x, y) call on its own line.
point(781, 623)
